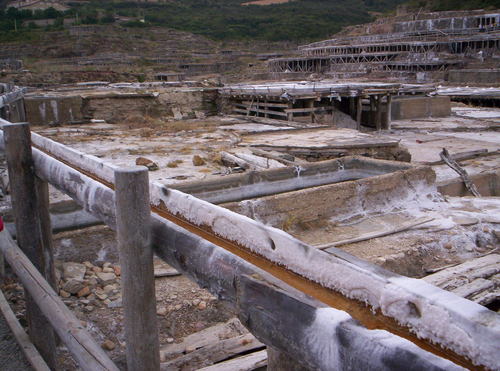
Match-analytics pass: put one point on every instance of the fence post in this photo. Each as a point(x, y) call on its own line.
point(136, 258)
point(26, 210)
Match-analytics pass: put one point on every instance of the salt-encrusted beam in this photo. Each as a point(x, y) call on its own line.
point(335, 341)
point(340, 280)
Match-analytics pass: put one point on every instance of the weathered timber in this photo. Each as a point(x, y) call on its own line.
point(388, 112)
point(169, 229)
point(369, 236)
point(280, 361)
point(473, 279)
point(267, 104)
point(229, 158)
point(136, 257)
point(204, 338)
point(462, 156)
point(445, 156)
point(180, 248)
point(249, 362)
point(250, 109)
point(378, 117)
point(307, 109)
point(87, 353)
point(34, 358)
point(269, 155)
point(259, 162)
point(42, 193)
point(359, 112)
point(343, 348)
point(26, 210)
point(217, 351)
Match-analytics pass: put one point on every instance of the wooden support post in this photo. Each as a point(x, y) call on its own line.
point(26, 210)
point(42, 193)
point(310, 104)
point(373, 101)
point(389, 112)
point(378, 119)
point(289, 115)
point(352, 107)
point(279, 361)
point(136, 256)
point(359, 111)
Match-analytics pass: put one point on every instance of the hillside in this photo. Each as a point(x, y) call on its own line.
point(443, 5)
point(299, 20)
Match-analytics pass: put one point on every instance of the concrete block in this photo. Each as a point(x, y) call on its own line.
point(420, 107)
point(54, 110)
point(482, 76)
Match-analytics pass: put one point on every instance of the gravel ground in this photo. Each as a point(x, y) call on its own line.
point(11, 357)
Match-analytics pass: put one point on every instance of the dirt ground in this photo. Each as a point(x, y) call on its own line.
point(183, 307)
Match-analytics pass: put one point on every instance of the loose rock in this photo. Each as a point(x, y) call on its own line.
point(143, 161)
point(108, 345)
point(106, 278)
point(73, 271)
point(83, 292)
point(72, 286)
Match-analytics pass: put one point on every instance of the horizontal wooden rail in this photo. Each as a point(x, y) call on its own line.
point(88, 354)
point(30, 352)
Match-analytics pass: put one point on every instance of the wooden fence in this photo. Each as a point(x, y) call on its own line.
point(323, 311)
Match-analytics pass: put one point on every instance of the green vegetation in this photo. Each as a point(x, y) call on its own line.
point(442, 5)
point(218, 19)
point(298, 20)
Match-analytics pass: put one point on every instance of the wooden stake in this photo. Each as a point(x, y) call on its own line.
point(378, 119)
point(26, 212)
point(359, 111)
point(446, 157)
point(136, 256)
point(389, 112)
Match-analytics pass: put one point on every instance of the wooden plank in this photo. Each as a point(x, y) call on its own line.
point(217, 351)
point(87, 353)
point(270, 112)
point(377, 234)
point(467, 155)
point(25, 207)
point(229, 158)
point(206, 337)
point(268, 104)
point(136, 258)
point(307, 109)
point(249, 362)
point(445, 156)
point(34, 358)
point(271, 156)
